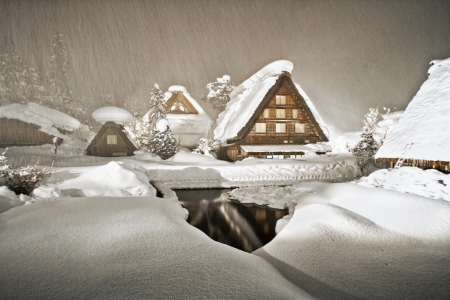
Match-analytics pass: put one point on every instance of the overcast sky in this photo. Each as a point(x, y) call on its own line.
point(348, 55)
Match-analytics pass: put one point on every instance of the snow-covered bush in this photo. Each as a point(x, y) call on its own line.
point(163, 143)
point(218, 92)
point(22, 180)
point(208, 147)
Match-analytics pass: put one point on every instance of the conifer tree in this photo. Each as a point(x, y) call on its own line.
point(163, 143)
point(157, 107)
point(218, 92)
point(367, 146)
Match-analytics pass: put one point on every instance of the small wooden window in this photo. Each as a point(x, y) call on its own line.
point(260, 127)
point(280, 100)
point(299, 128)
point(266, 113)
point(178, 107)
point(281, 113)
point(294, 113)
point(280, 128)
point(111, 139)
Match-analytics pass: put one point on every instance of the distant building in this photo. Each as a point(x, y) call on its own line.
point(111, 139)
point(33, 125)
point(269, 116)
point(188, 120)
point(421, 137)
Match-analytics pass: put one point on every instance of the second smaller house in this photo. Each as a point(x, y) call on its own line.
point(188, 120)
point(112, 138)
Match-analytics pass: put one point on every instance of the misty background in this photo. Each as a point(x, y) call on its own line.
point(348, 55)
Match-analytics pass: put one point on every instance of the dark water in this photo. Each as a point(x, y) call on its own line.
point(242, 226)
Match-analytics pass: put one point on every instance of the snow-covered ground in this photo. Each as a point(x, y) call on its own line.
point(343, 240)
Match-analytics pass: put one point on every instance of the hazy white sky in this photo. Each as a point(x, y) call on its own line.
point(348, 55)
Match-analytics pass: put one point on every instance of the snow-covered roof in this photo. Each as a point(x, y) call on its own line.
point(113, 114)
point(39, 115)
point(245, 99)
point(425, 122)
point(286, 148)
point(187, 123)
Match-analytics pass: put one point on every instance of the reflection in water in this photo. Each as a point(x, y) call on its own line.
point(245, 227)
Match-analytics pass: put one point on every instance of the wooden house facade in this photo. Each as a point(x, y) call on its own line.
point(111, 140)
point(282, 126)
point(14, 132)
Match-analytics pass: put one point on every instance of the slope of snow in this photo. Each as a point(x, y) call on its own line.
point(113, 114)
point(427, 183)
point(112, 179)
point(122, 248)
point(39, 115)
point(46, 118)
point(188, 128)
point(346, 241)
point(425, 122)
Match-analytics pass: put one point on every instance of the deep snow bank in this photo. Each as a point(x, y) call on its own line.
point(138, 247)
point(346, 241)
point(112, 179)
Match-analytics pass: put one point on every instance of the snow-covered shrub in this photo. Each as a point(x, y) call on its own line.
point(218, 92)
point(208, 147)
point(163, 143)
point(21, 180)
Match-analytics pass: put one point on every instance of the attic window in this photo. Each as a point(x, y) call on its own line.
point(294, 113)
point(178, 107)
point(280, 100)
point(266, 113)
point(111, 139)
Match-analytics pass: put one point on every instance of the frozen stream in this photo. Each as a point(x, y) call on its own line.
point(245, 227)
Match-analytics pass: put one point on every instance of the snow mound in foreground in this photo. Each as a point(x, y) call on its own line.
point(427, 183)
point(140, 248)
point(346, 241)
point(112, 179)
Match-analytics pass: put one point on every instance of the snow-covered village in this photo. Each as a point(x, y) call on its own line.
point(213, 150)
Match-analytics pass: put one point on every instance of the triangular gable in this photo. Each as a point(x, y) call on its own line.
point(179, 104)
point(100, 137)
point(283, 79)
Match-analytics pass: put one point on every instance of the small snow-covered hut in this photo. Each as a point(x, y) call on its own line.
point(32, 125)
point(269, 116)
point(112, 138)
point(421, 136)
point(188, 120)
